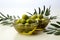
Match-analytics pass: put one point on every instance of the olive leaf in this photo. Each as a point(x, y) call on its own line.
point(52, 28)
point(47, 30)
point(42, 12)
point(39, 10)
point(29, 13)
point(2, 14)
point(35, 12)
point(47, 13)
point(14, 17)
point(53, 17)
point(57, 33)
point(44, 7)
point(55, 25)
point(58, 22)
point(51, 32)
point(7, 15)
point(6, 20)
point(1, 17)
point(18, 16)
point(6, 23)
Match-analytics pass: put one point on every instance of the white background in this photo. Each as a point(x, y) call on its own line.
point(19, 7)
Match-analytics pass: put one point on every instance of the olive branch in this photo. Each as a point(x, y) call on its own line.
point(7, 20)
point(55, 30)
point(45, 11)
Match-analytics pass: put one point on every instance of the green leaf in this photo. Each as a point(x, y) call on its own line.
point(39, 10)
point(51, 32)
point(44, 8)
point(18, 16)
point(35, 12)
point(57, 33)
point(14, 17)
point(47, 30)
point(42, 12)
point(6, 23)
point(11, 18)
point(2, 14)
point(47, 13)
point(55, 25)
point(1, 17)
point(54, 17)
point(29, 13)
point(6, 20)
point(52, 28)
point(7, 15)
point(58, 22)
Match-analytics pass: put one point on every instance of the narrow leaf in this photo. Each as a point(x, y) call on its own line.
point(18, 16)
point(52, 28)
point(11, 18)
point(44, 8)
point(39, 10)
point(42, 12)
point(47, 30)
point(47, 13)
point(14, 17)
point(51, 32)
point(55, 25)
point(6, 23)
point(57, 33)
point(1, 17)
point(54, 17)
point(58, 22)
point(35, 12)
point(2, 14)
point(7, 15)
point(29, 13)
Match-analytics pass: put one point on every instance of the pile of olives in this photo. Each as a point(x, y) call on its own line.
point(35, 22)
point(28, 24)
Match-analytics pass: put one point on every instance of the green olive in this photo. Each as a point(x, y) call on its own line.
point(34, 16)
point(18, 21)
point(24, 16)
point(40, 16)
point(23, 21)
point(26, 24)
point(44, 20)
point(37, 19)
point(29, 21)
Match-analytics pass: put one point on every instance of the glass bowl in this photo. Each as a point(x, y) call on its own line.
point(32, 28)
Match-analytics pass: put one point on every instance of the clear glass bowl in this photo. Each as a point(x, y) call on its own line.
point(31, 28)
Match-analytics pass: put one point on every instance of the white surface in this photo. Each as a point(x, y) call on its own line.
point(19, 7)
point(9, 33)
